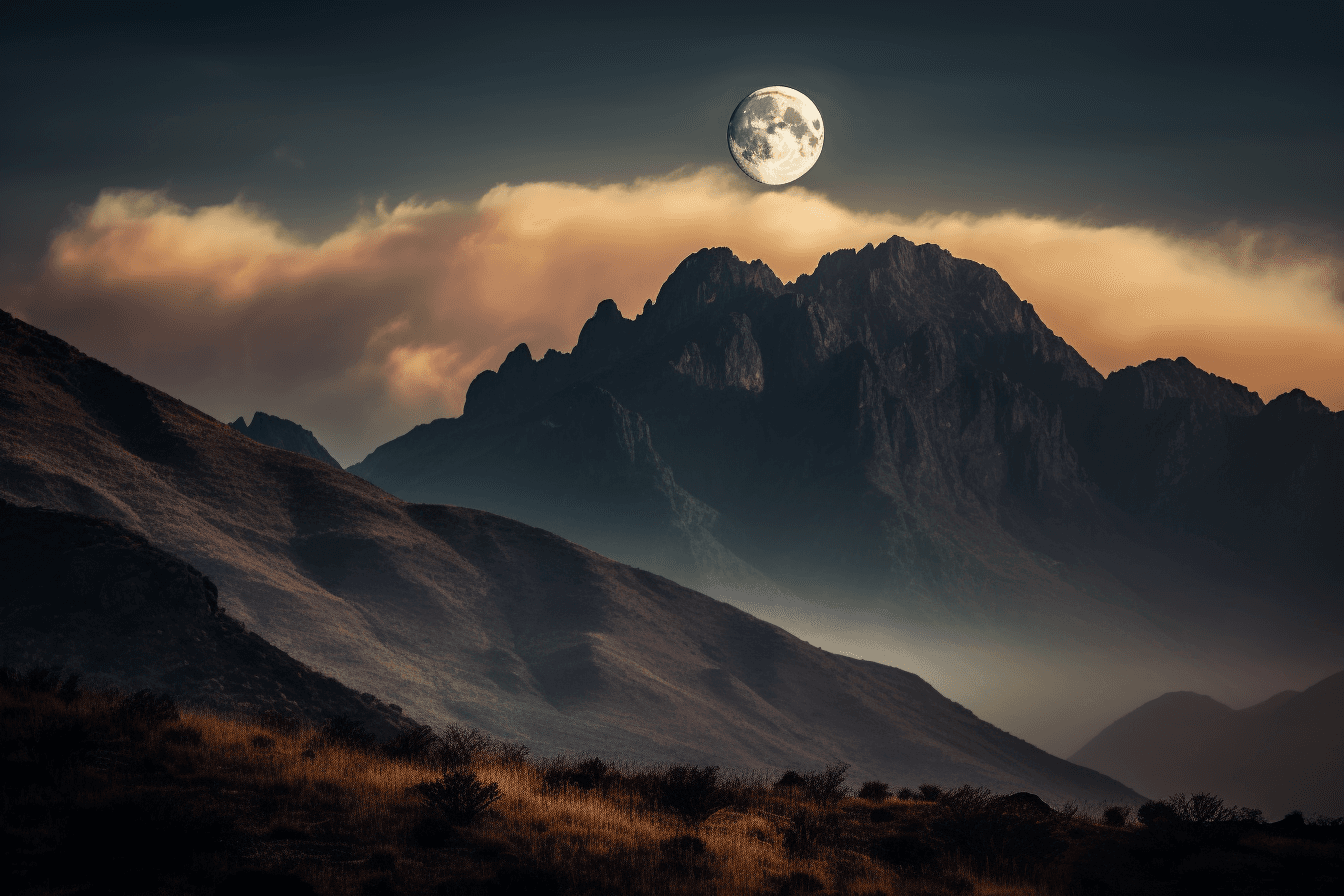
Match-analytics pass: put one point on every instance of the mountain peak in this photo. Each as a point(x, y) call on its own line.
point(708, 277)
point(286, 434)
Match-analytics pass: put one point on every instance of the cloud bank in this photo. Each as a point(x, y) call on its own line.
point(384, 324)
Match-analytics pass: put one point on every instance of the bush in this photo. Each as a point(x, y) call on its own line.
point(458, 797)
point(693, 793)
point(876, 791)
point(459, 745)
point(1116, 816)
point(905, 793)
point(584, 774)
point(147, 708)
point(277, 722)
point(930, 792)
point(1154, 813)
point(825, 786)
point(343, 731)
point(418, 744)
point(810, 829)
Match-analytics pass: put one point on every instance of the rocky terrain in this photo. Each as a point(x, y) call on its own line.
point(1280, 755)
point(90, 596)
point(896, 457)
point(460, 615)
point(281, 433)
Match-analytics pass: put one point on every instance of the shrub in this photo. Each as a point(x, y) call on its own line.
point(147, 708)
point(876, 791)
point(693, 793)
point(825, 786)
point(1154, 813)
point(277, 722)
point(584, 774)
point(930, 792)
point(458, 797)
point(343, 731)
point(905, 793)
point(1116, 816)
point(806, 830)
point(418, 744)
point(459, 745)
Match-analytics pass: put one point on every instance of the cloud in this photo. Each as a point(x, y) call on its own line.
point(384, 324)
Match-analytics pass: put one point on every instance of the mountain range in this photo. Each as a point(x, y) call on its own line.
point(461, 615)
point(1280, 755)
point(895, 457)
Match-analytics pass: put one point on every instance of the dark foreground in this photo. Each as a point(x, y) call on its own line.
point(107, 792)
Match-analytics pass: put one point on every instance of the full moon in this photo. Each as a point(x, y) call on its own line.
point(775, 135)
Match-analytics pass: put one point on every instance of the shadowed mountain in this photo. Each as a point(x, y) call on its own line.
point(895, 455)
point(281, 433)
point(462, 615)
point(1277, 756)
point(89, 595)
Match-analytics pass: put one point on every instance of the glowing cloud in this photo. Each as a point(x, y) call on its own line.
point(385, 323)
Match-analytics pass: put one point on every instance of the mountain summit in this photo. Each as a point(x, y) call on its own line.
point(899, 439)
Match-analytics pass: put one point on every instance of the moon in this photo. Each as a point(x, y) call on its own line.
point(775, 135)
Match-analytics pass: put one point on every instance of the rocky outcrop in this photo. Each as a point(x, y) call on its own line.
point(281, 433)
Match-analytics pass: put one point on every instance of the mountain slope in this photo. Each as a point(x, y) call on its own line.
point(463, 615)
point(88, 595)
point(1279, 755)
point(895, 456)
point(281, 433)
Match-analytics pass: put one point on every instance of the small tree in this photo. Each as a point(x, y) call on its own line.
point(876, 791)
point(694, 793)
point(458, 797)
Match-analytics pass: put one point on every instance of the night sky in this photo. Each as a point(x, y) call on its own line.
point(1200, 145)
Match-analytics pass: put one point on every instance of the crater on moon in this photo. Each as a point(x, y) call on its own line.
point(775, 135)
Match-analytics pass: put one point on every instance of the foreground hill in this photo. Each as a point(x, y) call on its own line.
point(87, 595)
point(461, 615)
point(897, 456)
point(1280, 755)
point(124, 803)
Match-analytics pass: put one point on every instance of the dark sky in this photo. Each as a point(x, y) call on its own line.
point(1186, 116)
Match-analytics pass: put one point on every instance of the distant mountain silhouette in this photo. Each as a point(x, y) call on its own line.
point(1280, 755)
point(281, 433)
point(462, 615)
point(91, 596)
point(899, 434)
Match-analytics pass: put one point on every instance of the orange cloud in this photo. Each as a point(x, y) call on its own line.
point(384, 324)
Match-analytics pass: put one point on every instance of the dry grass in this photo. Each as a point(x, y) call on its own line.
point(95, 801)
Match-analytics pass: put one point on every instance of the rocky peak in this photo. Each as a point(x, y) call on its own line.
point(286, 434)
point(605, 336)
point(1152, 384)
point(710, 277)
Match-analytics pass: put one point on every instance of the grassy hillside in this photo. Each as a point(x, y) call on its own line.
point(107, 792)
